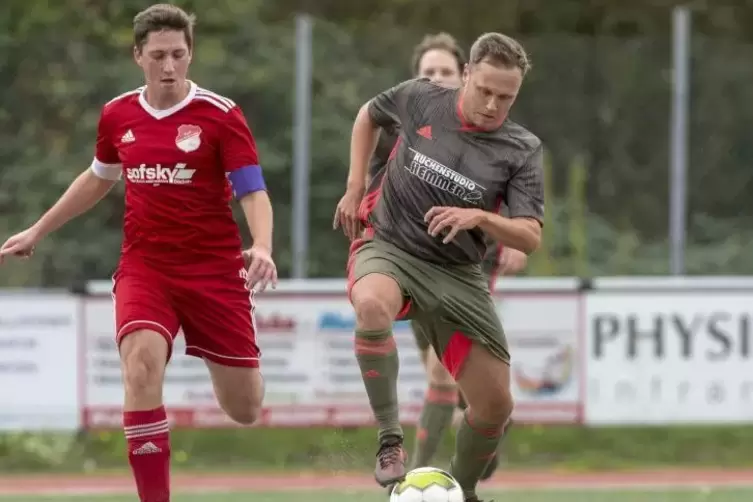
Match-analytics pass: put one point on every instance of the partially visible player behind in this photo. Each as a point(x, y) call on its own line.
point(182, 149)
point(439, 58)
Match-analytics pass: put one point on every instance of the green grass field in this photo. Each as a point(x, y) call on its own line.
point(721, 485)
point(693, 495)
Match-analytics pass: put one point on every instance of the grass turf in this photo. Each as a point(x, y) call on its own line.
point(345, 495)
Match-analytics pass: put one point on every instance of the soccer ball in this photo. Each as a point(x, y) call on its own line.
point(427, 484)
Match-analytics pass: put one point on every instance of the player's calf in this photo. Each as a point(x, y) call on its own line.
point(377, 301)
point(485, 380)
point(436, 414)
point(144, 355)
point(239, 391)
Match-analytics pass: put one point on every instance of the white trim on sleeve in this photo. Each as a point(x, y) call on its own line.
point(111, 172)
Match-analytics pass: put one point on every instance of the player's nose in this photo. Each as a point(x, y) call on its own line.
point(491, 104)
point(169, 65)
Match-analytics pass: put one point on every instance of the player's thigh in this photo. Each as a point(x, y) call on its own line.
point(144, 314)
point(146, 325)
point(379, 285)
point(473, 347)
point(485, 383)
point(217, 319)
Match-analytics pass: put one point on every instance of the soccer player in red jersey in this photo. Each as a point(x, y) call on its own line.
point(183, 149)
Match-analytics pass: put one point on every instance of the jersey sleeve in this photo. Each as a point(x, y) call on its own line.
point(239, 156)
point(525, 190)
point(390, 107)
point(106, 163)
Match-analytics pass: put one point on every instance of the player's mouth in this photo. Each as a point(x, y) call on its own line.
point(168, 81)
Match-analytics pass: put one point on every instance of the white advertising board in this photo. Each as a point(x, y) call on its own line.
point(669, 357)
point(311, 373)
point(38, 362)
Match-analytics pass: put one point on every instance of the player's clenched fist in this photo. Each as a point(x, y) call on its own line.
point(22, 244)
point(346, 214)
point(262, 270)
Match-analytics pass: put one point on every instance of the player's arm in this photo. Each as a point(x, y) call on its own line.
point(383, 111)
point(512, 261)
point(525, 199)
point(241, 163)
point(88, 188)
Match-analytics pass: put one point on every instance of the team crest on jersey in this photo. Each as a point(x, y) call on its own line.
point(188, 138)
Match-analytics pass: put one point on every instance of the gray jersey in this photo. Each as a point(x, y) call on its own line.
point(440, 160)
point(385, 144)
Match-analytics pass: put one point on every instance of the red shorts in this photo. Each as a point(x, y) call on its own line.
point(215, 311)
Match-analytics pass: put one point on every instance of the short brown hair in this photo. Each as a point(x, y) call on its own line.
point(159, 17)
point(500, 50)
point(442, 42)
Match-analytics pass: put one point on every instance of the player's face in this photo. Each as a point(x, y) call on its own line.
point(165, 58)
point(489, 92)
point(440, 67)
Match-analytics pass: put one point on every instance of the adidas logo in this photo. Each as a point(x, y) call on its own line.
point(425, 131)
point(128, 137)
point(146, 449)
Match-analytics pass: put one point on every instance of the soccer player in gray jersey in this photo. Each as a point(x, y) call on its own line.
point(440, 59)
point(457, 158)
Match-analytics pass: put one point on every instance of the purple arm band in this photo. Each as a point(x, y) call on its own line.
point(246, 180)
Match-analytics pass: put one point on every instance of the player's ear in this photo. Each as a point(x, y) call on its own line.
point(137, 54)
point(466, 72)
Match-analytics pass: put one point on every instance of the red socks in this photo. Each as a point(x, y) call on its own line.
point(148, 437)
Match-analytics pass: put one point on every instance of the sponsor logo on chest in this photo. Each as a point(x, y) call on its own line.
point(158, 174)
point(442, 177)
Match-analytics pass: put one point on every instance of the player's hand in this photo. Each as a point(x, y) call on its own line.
point(452, 220)
point(22, 245)
point(512, 261)
point(262, 270)
point(346, 214)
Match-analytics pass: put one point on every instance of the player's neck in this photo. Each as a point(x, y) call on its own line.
point(159, 99)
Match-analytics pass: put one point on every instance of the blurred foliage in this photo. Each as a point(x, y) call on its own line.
point(599, 97)
point(559, 447)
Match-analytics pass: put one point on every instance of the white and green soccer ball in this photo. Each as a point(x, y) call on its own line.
point(427, 484)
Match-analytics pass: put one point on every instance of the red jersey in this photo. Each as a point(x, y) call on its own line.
point(176, 163)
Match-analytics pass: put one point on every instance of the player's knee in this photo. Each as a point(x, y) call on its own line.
point(373, 312)
point(144, 357)
point(244, 411)
point(239, 390)
point(496, 408)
